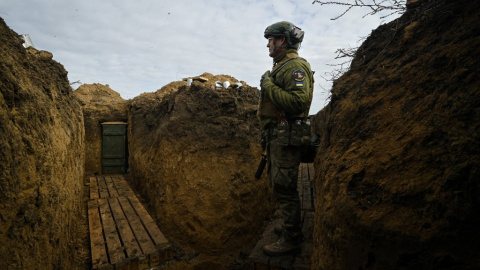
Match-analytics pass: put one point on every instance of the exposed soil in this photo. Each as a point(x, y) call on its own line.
point(41, 160)
point(99, 104)
point(193, 155)
point(396, 174)
point(193, 152)
point(398, 168)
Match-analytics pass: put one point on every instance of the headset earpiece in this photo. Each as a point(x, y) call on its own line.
point(296, 35)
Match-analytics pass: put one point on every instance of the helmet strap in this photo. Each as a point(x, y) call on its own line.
point(275, 47)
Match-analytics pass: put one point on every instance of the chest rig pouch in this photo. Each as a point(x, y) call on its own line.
point(298, 132)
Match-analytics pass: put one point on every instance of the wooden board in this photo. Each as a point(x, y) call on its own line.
point(114, 246)
point(122, 233)
point(97, 242)
point(196, 78)
point(94, 188)
point(110, 186)
point(102, 187)
point(306, 186)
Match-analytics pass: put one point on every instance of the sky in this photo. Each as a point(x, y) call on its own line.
point(140, 46)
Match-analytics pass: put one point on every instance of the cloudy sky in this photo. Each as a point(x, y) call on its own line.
point(140, 46)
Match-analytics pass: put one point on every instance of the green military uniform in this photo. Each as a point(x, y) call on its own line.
point(284, 102)
point(290, 92)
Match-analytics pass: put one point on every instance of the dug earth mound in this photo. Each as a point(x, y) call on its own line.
point(399, 166)
point(99, 104)
point(193, 156)
point(396, 174)
point(41, 160)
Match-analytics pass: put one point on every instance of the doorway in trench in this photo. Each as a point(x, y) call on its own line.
point(114, 148)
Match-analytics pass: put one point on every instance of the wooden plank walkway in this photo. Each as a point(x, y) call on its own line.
point(122, 233)
point(258, 260)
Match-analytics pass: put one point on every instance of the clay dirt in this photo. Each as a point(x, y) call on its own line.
point(396, 175)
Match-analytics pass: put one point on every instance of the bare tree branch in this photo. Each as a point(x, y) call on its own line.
point(339, 70)
point(76, 82)
point(375, 6)
point(342, 53)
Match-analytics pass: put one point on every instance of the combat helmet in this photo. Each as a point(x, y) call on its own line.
point(293, 34)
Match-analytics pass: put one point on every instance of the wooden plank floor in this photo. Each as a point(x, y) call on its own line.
point(258, 260)
point(122, 233)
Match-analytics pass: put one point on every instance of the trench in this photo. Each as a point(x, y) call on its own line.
point(123, 235)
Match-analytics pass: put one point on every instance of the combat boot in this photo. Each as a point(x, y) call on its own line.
point(278, 229)
point(282, 247)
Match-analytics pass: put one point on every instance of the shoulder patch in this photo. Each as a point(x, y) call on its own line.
point(298, 75)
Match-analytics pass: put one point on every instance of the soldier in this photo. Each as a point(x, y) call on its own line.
point(285, 98)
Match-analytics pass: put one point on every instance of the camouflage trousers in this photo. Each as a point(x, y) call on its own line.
point(283, 174)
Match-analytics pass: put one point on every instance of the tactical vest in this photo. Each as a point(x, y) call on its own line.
point(267, 108)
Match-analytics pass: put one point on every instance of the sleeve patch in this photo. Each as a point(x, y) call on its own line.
point(299, 84)
point(299, 75)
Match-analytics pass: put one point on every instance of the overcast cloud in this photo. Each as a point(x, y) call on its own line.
point(140, 46)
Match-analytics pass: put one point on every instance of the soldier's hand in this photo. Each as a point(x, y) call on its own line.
point(265, 79)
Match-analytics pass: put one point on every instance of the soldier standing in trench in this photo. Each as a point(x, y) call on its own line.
point(285, 98)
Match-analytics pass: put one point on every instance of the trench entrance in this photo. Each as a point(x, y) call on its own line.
point(114, 147)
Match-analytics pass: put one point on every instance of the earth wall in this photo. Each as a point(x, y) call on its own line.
point(398, 168)
point(41, 159)
point(194, 151)
point(99, 104)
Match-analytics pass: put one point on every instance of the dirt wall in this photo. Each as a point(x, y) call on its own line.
point(99, 104)
point(41, 159)
point(397, 172)
point(193, 155)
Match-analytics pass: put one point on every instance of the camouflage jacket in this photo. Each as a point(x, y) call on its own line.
point(289, 92)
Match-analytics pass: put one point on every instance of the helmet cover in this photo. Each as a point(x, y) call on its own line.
point(292, 33)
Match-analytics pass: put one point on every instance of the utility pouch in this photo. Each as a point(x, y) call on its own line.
point(282, 133)
point(298, 133)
